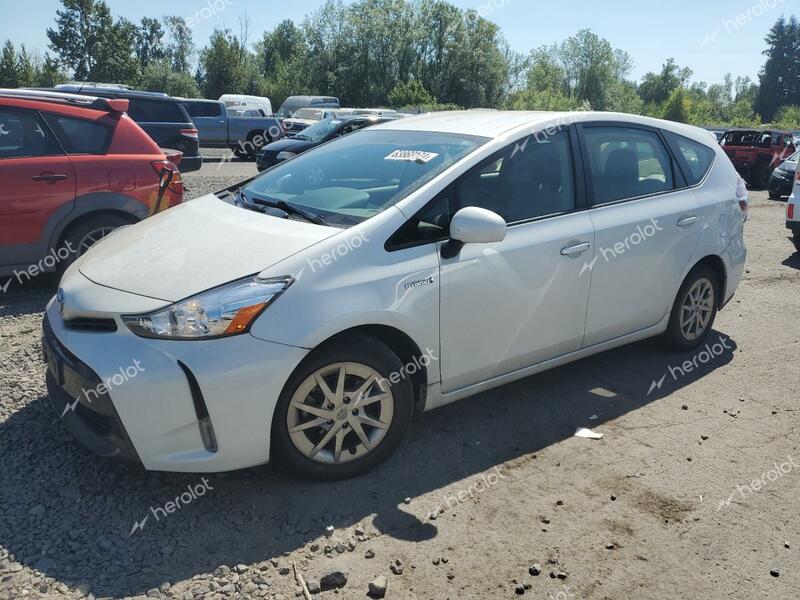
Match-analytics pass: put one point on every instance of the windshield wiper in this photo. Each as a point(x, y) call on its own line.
point(309, 216)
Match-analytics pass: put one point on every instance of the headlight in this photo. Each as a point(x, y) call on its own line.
point(285, 155)
point(220, 312)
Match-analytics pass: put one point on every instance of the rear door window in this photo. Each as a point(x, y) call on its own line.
point(24, 134)
point(627, 163)
point(155, 111)
point(79, 136)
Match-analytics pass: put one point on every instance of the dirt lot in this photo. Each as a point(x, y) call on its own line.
point(692, 493)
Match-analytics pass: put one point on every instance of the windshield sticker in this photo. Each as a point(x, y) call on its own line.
point(417, 156)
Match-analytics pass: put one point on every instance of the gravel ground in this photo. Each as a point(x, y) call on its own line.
point(692, 493)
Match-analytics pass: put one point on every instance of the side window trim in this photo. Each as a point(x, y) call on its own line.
point(678, 178)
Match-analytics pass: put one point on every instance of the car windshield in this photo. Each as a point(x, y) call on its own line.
point(746, 138)
point(360, 175)
point(308, 113)
point(319, 131)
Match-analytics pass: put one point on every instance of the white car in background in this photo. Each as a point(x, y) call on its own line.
point(793, 211)
point(242, 102)
point(308, 314)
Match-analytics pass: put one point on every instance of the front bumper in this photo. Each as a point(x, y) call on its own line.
point(77, 395)
point(780, 184)
point(154, 411)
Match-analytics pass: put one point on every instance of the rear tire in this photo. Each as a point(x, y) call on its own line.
point(320, 433)
point(694, 310)
point(796, 241)
point(85, 233)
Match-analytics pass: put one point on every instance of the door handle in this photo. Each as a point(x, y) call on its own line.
point(687, 221)
point(49, 177)
point(575, 250)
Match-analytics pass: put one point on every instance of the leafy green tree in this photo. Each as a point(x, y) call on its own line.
point(180, 47)
point(161, 77)
point(88, 41)
point(780, 76)
point(9, 75)
point(411, 93)
point(149, 42)
point(677, 107)
point(657, 88)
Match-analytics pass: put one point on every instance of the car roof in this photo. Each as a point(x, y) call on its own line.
point(496, 123)
point(115, 92)
point(74, 100)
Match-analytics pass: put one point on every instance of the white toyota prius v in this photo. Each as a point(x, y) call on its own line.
point(304, 316)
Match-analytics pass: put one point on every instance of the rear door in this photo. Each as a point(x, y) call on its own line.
point(37, 185)
point(647, 225)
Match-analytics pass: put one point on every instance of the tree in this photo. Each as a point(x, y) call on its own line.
point(180, 47)
point(226, 66)
point(9, 76)
point(780, 76)
point(91, 43)
point(657, 88)
point(149, 42)
point(592, 66)
point(410, 93)
point(677, 107)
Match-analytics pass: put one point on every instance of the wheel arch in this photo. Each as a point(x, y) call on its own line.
point(399, 342)
point(75, 222)
point(716, 264)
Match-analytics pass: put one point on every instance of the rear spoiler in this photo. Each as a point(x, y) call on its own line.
point(111, 105)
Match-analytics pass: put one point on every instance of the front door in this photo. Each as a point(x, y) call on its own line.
point(512, 304)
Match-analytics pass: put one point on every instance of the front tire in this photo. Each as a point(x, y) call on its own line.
point(343, 412)
point(84, 234)
point(255, 142)
point(694, 309)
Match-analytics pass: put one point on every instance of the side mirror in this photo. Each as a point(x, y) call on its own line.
point(474, 225)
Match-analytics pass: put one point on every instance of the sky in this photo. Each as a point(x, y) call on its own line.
point(712, 37)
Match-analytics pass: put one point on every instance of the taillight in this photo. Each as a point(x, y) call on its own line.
point(742, 196)
point(190, 133)
point(790, 212)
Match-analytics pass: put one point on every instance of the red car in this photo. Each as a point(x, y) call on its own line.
point(72, 169)
point(756, 153)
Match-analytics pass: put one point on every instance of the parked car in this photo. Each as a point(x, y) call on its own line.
point(294, 103)
point(244, 102)
point(218, 129)
point(305, 117)
point(72, 169)
point(313, 136)
point(162, 117)
point(793, 211)
point(318, 306)
point(378, 112)
point(756, 154)
point(782, 178)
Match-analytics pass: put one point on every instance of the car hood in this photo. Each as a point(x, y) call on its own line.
point(290, 145)
point(195, 246)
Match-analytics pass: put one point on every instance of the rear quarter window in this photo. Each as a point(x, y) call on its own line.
point(80, 136)
point(697, 157)
point(156, 111)
point(203, 109)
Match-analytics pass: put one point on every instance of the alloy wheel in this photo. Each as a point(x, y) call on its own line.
point(697, 309)
point(340, 413)
point(92, 237)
